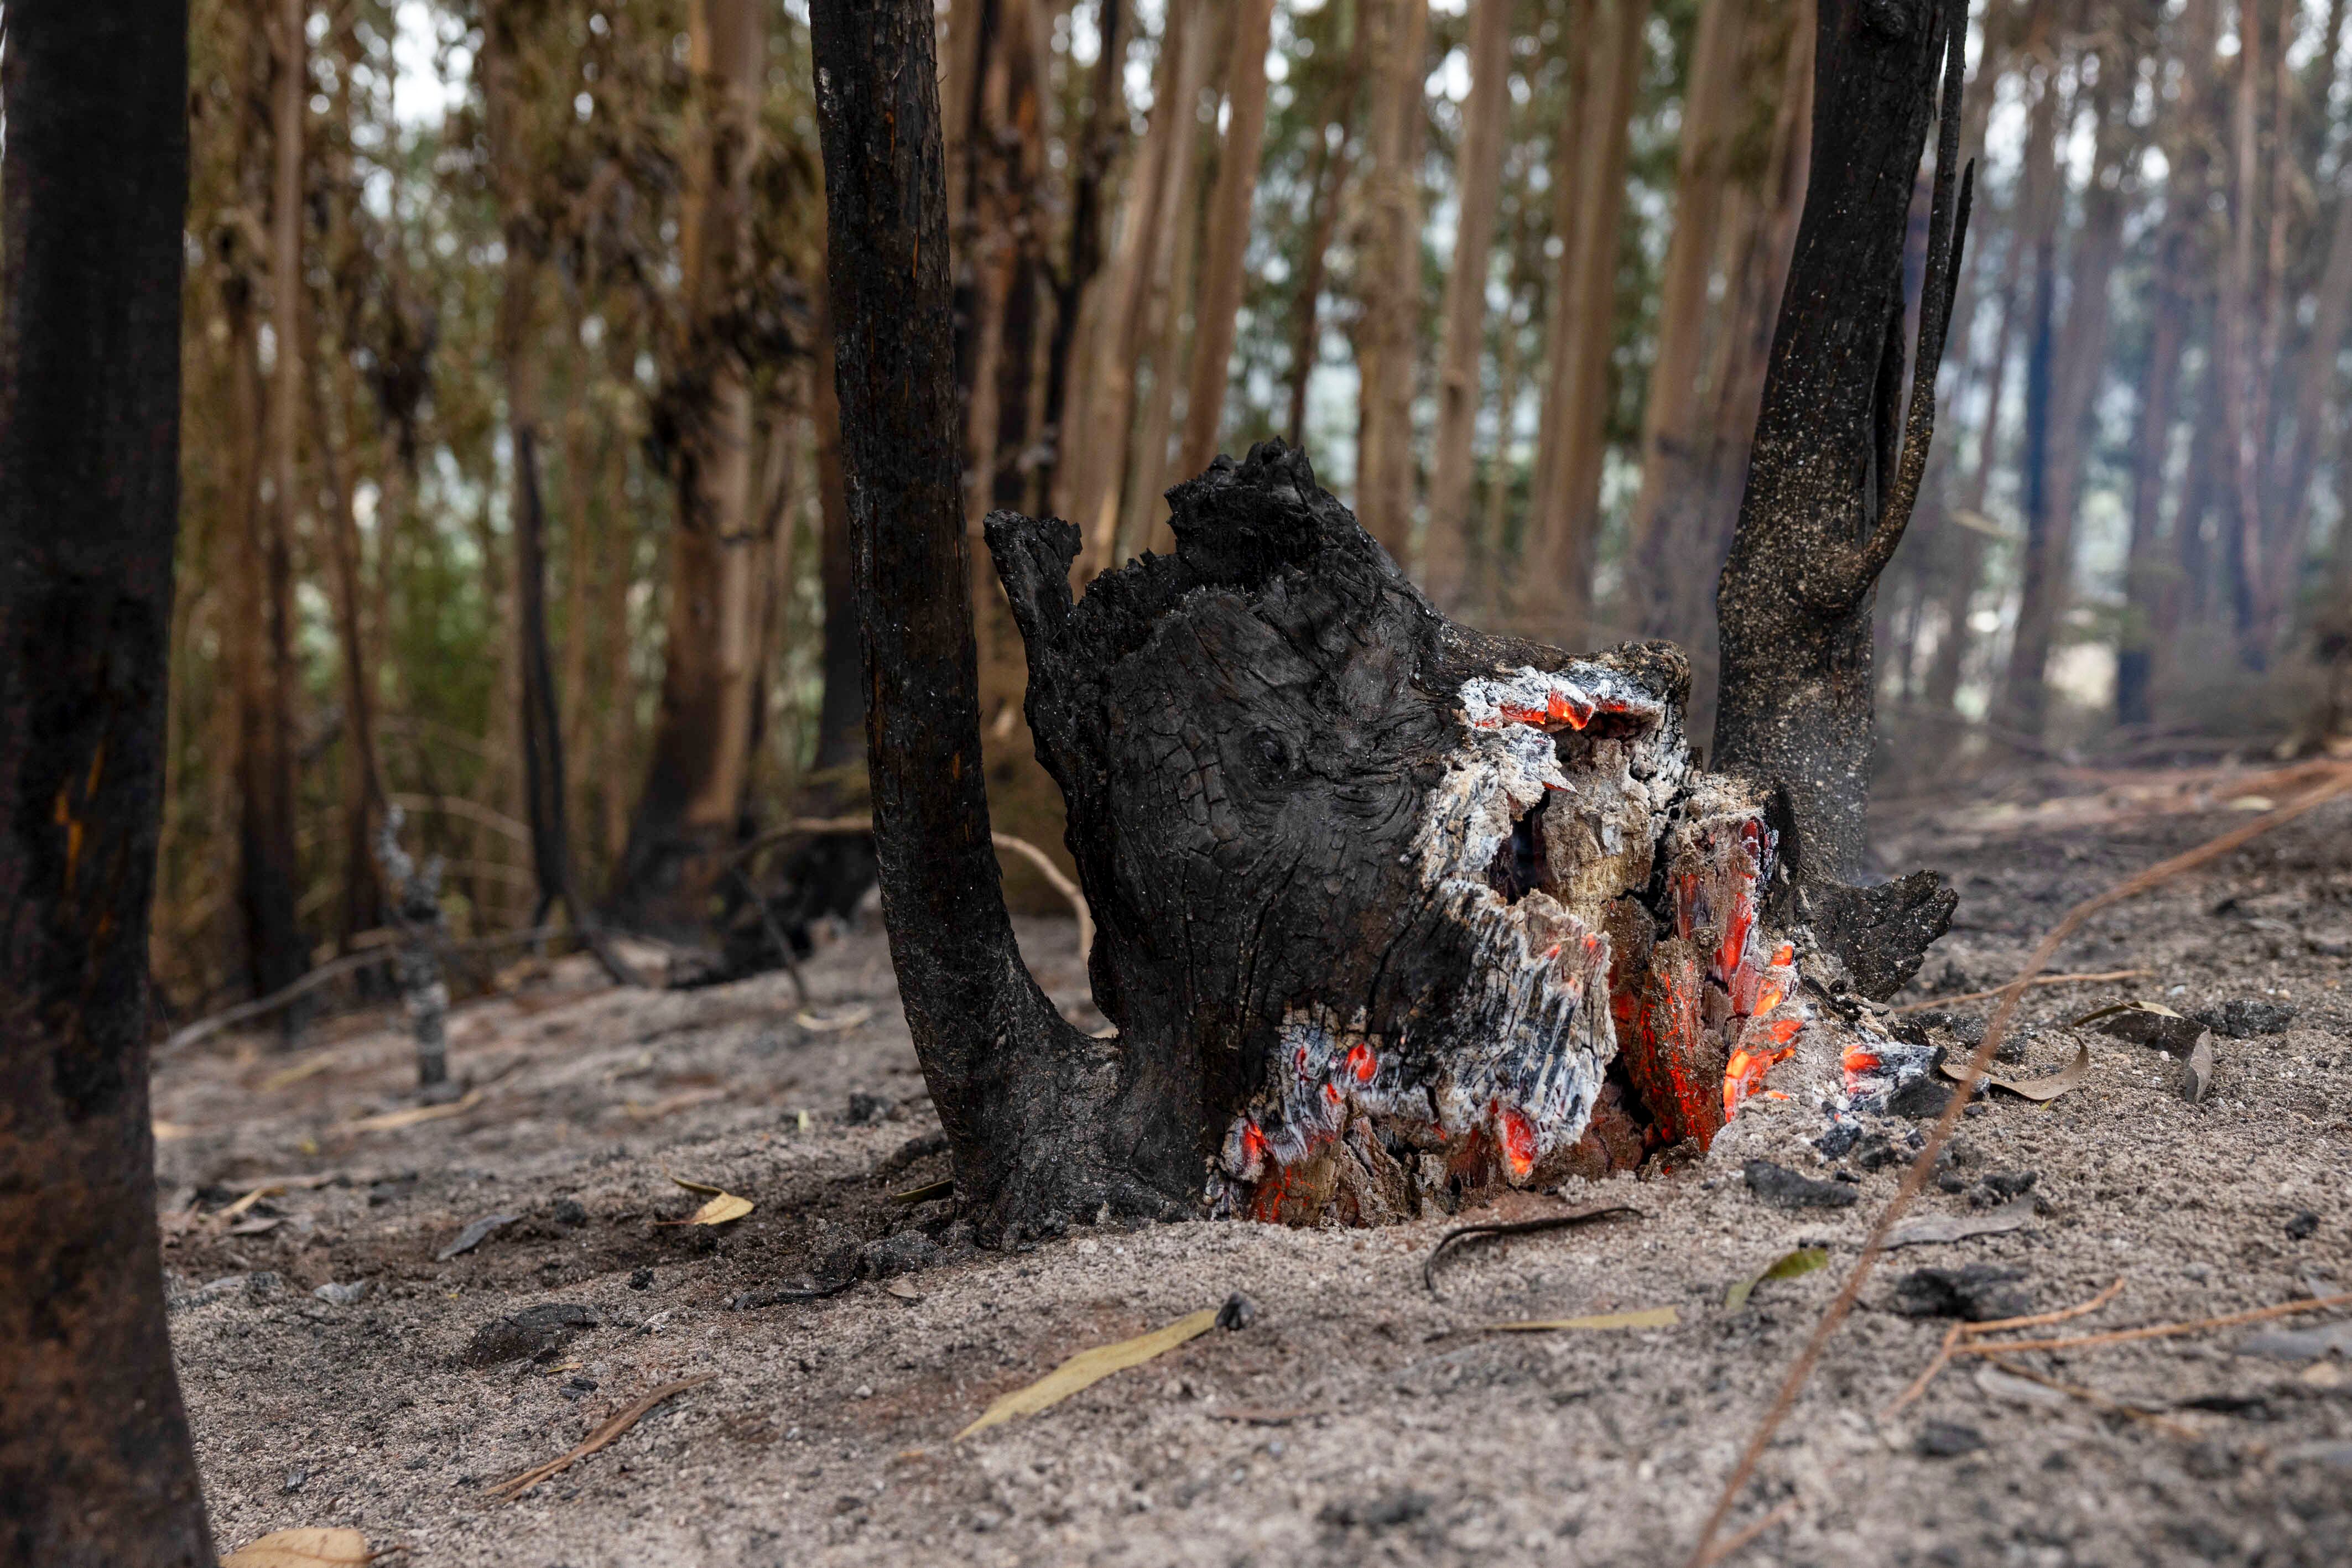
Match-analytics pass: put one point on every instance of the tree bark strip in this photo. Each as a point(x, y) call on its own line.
point(96, 1467)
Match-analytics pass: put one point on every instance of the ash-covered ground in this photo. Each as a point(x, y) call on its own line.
point(1360, 1418)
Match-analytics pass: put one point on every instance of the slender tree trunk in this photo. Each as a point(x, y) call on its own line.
point(690, 810)
point(1712, 115)
point(1388, 332)
point(2243, 409)
point(1594, 143)
point(2059, 424)
point(1334, 161)
point(617, 741)
point(2315, 378)
point(1140, 523)
point(1097, 462)
point(1838, 460)
point(1077, 295)
point(1217, 308)
point(1479, 178)
point(96, 1467)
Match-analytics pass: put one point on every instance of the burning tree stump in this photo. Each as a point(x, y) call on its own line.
point(1391, 909)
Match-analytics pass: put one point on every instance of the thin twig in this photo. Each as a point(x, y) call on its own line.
point(513, 1486)
point(1933, 1002)
point(1963, 1332)
point(2160, 1331)
point(1469, 1233)
point(1916, 1176)
point(1749, 1533)
point(2104, 1402)
point(776, 937)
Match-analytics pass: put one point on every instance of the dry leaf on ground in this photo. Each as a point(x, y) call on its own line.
point(308, 1548)
point(1788, 1266)
point(1647, 1318)
point(723, 1208)
point(1089, 1367)
point(1927, 1228)
point(2043, 1089)
point(392, 1121)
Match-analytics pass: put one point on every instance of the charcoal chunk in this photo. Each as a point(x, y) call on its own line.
point(865, 1108)
point(907, 1252)
point(1980, 1292)
point(2241, 1018)
point(1780, 1185)
point(2302, 1227)
point(1383, 1511)
point(1947, 1439)
point(534, 1330)
point(1924, 1096)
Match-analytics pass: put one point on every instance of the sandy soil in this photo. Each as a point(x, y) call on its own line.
point(1360, 1418)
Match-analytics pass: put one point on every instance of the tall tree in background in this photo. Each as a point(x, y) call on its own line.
point(1838, 459)
point(708, 722)
point(1334, 162)
point(1589, 176)
point(96, 1467)
point(1215, 311)
point(1479, 178)
point(1387, 327)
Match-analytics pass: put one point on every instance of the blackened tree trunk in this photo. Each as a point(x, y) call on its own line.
point(96, 1469)
point(1837, 460)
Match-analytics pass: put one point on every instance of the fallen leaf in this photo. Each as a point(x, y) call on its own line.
point(2198, 1076)
point(2143, 1023)
point(270, 1190)
point(723, 1208)
point(1927, 1229)
point(309, 1548)
point(256, 1225)
point(1788, 1266)
point(1647, 1318)
point(471, 1237)
point(2040, 1090)
point(1089, 1367)
point(392, 1121)
point(819, 1024)
point(924, 1194)
point(285, 1078)
point(2016, 1390)
point(904, 1290)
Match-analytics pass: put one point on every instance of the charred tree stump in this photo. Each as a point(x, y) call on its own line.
point(96, 1469)
point(1391, 909)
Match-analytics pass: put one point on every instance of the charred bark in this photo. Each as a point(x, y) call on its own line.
point(96, 1469)
point(1838, 460)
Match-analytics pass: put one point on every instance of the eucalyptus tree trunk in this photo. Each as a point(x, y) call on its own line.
point(1588, 176)
point(1838, 459)
point(706, 733)
point(1478, 179)
point(1388, 330)
point(1219, 301)
point(96, 1467)
point(1334, 161)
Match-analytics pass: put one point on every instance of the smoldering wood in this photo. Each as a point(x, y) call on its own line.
point(1391, 911)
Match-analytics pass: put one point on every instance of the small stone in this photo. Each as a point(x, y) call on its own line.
point(641, 1280)
point(866, 1108)
point(296, 1479)
point(1947, 1439)
point(865, 1391)
point(1977, 1293)
point(570, 1211)
point(342, 1295)
point(1781, 1187)
point(2302, 1227)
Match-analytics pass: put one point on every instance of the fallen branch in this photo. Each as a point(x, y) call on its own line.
point(1916, 1176)
point(1933, 1002)
point(1464, 1235)
point(604, 1436)
point(205, 1028)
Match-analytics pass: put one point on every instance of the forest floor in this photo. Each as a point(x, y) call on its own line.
point(1360, 1417)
